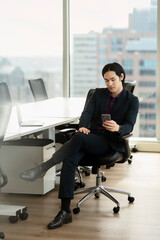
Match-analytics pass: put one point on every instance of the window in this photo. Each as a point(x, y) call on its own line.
point(31, 46)
point(129, 38)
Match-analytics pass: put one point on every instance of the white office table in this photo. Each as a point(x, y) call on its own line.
point(53, 112)
point(54, 107)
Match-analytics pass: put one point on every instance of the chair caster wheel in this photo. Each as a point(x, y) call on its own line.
point(2, 236)
point(130, 159)
point(131, 199)
point(13, 219)
point(116, 209)
point(87, 173)
point(82, 184)
point(103, 178)
point(23, 216)
point(97, 195)
point(76, 210)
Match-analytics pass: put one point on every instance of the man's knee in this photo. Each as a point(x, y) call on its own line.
point(79, 136)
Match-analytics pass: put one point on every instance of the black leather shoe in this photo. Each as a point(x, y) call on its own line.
point(33, 174)
point(62, 218)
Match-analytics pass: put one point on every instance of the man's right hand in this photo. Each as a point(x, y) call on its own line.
point(83, 130)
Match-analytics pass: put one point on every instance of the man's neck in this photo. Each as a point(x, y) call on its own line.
point(117, 93)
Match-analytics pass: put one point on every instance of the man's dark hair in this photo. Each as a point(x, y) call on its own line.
point(116, 67)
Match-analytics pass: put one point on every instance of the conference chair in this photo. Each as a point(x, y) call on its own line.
point(65, 134)
point(5, 111)
point(38, 89)
point(109, 160)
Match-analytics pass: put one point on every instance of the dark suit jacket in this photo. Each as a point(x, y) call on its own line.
point(124, 113)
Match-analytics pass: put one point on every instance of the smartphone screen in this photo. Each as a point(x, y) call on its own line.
point(106, 117)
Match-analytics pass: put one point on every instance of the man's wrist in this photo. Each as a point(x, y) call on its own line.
point(119, 130)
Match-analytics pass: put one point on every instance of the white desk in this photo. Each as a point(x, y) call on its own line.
point(54, 107)
point(53, 112)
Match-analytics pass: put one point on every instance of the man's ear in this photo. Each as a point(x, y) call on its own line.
point(122, 76)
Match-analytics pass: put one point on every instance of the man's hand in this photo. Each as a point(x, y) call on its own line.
point(111, 126)
point(83, 130)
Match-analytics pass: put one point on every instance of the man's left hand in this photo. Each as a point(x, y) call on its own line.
point(111, 126)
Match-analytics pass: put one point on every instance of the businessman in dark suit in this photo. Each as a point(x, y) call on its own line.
point(93, 136)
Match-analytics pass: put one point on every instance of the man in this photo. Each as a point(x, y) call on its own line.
point(93, 137)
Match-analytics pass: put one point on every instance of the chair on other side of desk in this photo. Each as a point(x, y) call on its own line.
point(38, 89)
point(5, 112)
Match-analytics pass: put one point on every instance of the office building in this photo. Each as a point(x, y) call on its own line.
point(135, 48)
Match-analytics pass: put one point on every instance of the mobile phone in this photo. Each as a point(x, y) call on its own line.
point(106, 117)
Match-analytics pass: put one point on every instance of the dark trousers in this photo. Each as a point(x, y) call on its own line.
point(72, 152)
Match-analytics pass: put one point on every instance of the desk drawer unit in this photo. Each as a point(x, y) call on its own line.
point(20, 155)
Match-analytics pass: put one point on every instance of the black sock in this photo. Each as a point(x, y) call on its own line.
point(65, 204)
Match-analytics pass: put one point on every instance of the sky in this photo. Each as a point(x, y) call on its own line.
point(34, 27)
point(95, 14)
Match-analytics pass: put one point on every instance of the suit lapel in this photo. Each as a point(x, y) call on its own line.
point(103, 100)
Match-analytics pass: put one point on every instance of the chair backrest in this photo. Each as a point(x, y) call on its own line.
point(38, 89)
point(5, 111)
point(89, 95)
point(130, 86)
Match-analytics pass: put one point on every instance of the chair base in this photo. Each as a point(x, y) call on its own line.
point(97, 190)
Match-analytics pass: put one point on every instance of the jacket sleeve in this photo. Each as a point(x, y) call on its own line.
point(130, 118)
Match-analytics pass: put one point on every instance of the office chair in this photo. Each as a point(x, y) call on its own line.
point(5, 111)
point(38, 89)
point(65, 134)
point(96, 162)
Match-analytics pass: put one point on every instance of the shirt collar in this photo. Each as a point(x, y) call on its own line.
point(110, 95)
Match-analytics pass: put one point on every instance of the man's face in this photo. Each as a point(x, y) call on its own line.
point(113, 82)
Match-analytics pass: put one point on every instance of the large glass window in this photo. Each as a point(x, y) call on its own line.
point(129, 37)
point(31, 46)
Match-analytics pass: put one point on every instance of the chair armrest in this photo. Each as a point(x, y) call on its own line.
point(68, 130)
point(125, 138)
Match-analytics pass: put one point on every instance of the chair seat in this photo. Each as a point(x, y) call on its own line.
point(94, 160)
